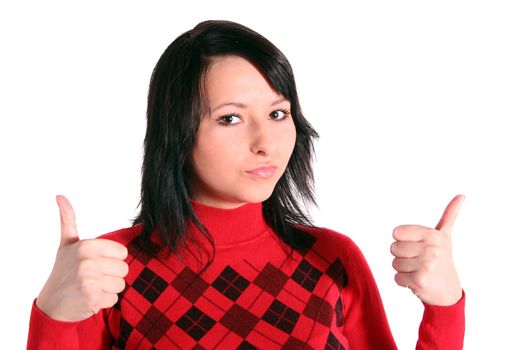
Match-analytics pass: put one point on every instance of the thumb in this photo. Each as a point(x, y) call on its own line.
point(450, 214)
point(68, 223)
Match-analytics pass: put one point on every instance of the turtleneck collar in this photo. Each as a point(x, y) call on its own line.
point(231, 226)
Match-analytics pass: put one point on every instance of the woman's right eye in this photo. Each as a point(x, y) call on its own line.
point(227, 119)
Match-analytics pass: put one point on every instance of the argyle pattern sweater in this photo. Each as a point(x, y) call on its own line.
point(253, 296)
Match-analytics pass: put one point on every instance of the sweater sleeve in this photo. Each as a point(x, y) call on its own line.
point(442, 327)
point(46, 333)
point(366, 325)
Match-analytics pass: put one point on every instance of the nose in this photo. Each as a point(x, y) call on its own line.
point(262, 139)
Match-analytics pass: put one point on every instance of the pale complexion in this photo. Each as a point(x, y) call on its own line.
point(423, 258)
point(87, 275)
point(247, 124)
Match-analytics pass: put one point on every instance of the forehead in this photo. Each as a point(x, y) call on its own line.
point(235, 77)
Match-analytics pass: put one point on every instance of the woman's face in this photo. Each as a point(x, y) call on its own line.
point(247, 125)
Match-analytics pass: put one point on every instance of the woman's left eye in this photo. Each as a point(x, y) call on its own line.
point(283, 114)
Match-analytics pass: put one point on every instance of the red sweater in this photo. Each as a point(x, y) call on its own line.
point(251, 297)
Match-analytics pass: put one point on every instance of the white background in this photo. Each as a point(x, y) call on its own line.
point(415, 102)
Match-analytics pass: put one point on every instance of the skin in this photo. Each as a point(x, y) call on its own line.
point(232, 140)
point(88, 274)
point(423, 258)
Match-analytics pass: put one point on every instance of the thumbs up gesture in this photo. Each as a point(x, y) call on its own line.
point(86, 276)
point(423, 259)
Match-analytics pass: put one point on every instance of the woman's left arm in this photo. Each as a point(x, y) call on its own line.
point(424, 264)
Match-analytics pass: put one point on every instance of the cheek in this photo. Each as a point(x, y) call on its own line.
point(288, 139)
point(214, 154)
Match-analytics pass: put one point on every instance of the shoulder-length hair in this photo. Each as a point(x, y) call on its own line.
point(175, 104)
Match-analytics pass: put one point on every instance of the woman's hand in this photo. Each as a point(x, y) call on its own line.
point(423, 259)
point(87, 274)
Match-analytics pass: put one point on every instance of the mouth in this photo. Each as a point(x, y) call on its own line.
point(263, 172)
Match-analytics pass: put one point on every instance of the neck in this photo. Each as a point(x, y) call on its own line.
point(231, 226)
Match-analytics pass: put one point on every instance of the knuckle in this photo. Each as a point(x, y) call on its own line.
point(86, 267)
point(121, 285)
point(116, 249)
point(420, 280)
point(393, 248)
point(84, 264)
point(94, 307)
point(84, 248)
point(124, 269)
point(86, 287)
point(92, 302)
point(401, 280)
point(434, 238)
point(432, 252)
point(429, 265)
point(394, 264)
point(397, 230)
point(112, 299)
point(397, 278)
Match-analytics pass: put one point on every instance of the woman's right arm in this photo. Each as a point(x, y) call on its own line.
point(86, 278)
point(46, 333)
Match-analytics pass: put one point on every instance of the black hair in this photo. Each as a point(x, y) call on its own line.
point(175, 105)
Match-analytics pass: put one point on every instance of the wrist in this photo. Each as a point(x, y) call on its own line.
point(45, 303)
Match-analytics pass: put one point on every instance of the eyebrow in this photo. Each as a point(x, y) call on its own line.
point(243, 106)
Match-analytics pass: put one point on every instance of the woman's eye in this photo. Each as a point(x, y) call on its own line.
point(280, 114)
point(227, 119)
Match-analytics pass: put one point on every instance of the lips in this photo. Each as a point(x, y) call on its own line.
point(263, 171)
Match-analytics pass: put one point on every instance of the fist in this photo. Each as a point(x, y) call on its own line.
point(423, 259)
point(87, 275)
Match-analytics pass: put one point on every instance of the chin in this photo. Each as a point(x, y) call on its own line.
point(257, 196)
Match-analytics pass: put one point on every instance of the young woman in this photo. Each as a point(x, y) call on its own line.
point(221, 255)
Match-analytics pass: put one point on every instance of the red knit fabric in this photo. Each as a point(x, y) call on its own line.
point(253, 296)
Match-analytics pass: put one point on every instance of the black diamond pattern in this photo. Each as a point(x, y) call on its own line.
point(149, 284)
point(135, 249)
point(332, 343)
point(305, 241)
point(195, 322)
point(339, 312)
point(148, 325)
point(338, 274)
point(281, 316)
point(306, 275)
point(246, 346)
point(230, 283)
point(125, 331)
